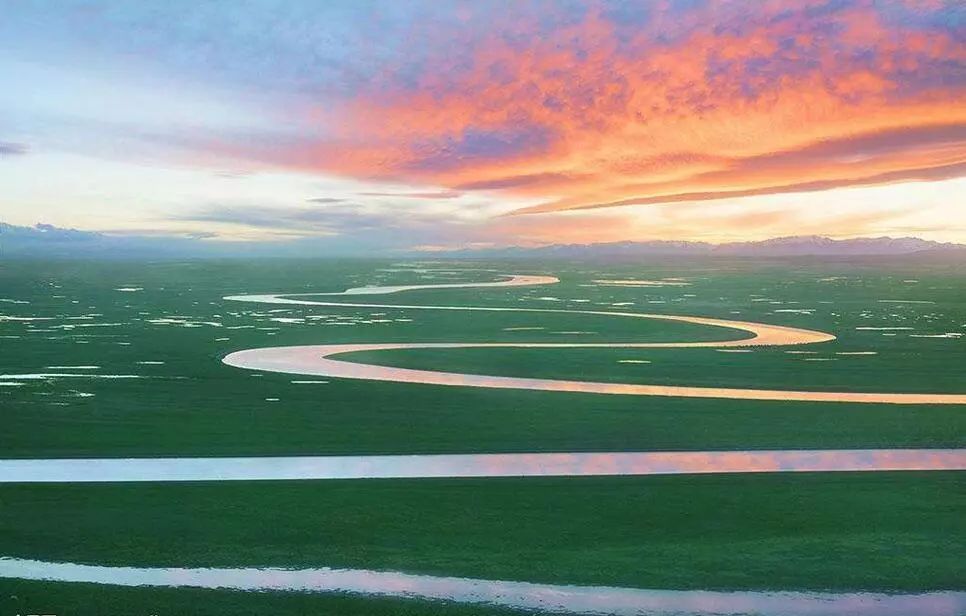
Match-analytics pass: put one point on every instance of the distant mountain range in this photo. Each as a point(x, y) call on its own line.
point(806, 245)
point(44, 240)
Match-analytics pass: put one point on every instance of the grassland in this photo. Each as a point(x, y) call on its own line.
point(883, 531)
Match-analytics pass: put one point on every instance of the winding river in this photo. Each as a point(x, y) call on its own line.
point(318, 360)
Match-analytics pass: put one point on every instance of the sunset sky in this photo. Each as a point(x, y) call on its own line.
point(432, 125)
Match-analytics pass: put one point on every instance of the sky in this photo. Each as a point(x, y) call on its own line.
point(387, 125)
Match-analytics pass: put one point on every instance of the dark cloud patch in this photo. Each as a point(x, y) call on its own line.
point(324, 200)
point(9, 148)
point(440, 194)
point(338, 218)
point(161, 233)
point(516, 181)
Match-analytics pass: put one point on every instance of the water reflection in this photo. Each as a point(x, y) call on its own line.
point(318, 360)
point(558, 598)
point(477, 465)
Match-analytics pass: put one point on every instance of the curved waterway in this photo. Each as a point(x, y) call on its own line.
point(318, 360)
point(543, 597)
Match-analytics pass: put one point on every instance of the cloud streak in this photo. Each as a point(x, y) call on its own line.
point(441, 194)
point(8, 148)
point(332, 218)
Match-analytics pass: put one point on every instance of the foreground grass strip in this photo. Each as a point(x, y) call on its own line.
point(844, 532)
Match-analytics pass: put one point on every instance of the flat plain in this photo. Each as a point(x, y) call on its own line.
point(138, 349)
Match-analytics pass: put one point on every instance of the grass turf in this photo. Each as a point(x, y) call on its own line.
point(843, 531)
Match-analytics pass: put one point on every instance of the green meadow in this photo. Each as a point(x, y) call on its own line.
point(899, 328)
point(841, 531)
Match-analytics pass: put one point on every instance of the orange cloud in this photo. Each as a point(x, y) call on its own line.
point(693, 104)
